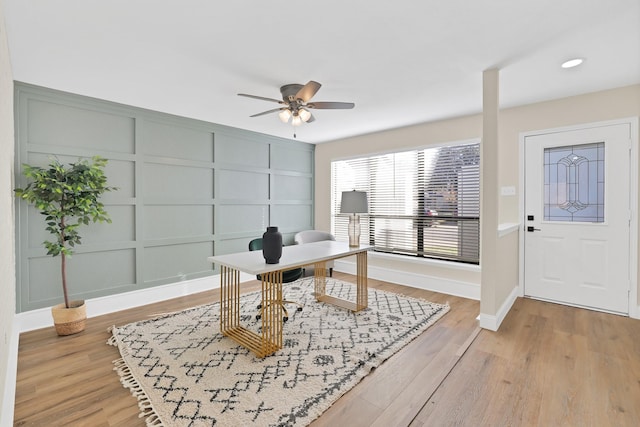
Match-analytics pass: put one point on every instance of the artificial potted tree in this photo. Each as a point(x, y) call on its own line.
point(69, 197)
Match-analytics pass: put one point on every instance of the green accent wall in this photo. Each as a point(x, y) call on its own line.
point(188, 189)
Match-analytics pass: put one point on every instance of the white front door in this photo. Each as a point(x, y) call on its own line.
point(577, 217)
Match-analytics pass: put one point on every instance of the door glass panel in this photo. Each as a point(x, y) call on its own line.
point(574, 183)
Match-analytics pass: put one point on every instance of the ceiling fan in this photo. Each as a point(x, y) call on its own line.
point(295, 103)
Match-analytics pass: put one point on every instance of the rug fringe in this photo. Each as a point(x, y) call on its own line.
point(112, 341)
point(128, 381)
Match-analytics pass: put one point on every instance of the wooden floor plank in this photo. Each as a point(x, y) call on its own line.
point(548, 365)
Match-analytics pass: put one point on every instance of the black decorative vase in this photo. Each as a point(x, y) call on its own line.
point(272, 245)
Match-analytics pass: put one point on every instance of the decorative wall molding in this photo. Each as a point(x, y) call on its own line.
point(187, 189)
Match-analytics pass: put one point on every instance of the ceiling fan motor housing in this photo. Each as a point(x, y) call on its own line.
point(289, 92)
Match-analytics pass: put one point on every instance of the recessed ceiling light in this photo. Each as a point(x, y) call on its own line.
point(572, 63)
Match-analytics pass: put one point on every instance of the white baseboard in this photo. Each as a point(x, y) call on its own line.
point(9, 400)
point(420, 281)
point(493, 322)
point(41, 318)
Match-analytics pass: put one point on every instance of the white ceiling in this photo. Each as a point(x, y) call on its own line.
point(401, 62)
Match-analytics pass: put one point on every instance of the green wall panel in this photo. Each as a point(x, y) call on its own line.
point(89, 275)
point(236, 150)
point(187, 189)
point(167, 140)
point(176, 262)
point(121, 174)
point(121, 228)
point(286, 187)
point(57, 124)
point(44, 283)
point(292, 217)
point(242, 185)
point(177, 221)
point(233, 219)
point(172, 181)
point(95, 272)
point(231, 246)
point(291, 159)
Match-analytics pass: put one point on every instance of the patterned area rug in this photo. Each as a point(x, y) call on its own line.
point(185, 373)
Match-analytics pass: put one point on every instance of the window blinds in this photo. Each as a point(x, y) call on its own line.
point(423, 203)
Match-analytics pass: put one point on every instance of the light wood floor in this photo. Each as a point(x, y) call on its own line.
point(549, 365)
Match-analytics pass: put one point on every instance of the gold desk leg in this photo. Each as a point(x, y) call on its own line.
point(320, 279)
point(270, 340)
point(272, 312)
point(229, 299)
point(320, 282)
point(362, 292)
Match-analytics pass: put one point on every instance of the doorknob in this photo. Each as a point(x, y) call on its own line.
point(530, 229)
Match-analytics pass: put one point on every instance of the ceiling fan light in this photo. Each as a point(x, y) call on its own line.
point(284, 115)
point(296, 121)
point(304, 115)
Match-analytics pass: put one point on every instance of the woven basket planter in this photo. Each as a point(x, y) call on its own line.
point(69, 321)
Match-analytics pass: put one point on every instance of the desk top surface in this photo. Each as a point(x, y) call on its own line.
point(293, 256)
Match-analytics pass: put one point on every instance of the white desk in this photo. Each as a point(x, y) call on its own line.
point(317, 253)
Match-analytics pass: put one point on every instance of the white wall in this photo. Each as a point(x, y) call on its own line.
point(600, 106)
point(618, 103)
point(7, 264)
point(489, 195)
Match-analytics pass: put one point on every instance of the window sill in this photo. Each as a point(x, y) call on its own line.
point(425, 261)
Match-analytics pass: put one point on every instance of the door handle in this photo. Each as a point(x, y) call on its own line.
point(530, 229)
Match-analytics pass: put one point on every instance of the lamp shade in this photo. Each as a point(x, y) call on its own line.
point(354, 202)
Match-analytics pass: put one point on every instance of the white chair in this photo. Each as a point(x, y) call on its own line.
point(309, 236)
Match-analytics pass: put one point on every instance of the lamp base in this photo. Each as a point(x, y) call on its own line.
point(354, 231)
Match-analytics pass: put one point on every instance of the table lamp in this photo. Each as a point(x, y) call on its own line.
point(354, 202)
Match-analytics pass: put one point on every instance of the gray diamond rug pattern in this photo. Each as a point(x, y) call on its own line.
point(185, 373)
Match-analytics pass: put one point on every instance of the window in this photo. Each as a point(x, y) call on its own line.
point(574, 183)
point(422, 203)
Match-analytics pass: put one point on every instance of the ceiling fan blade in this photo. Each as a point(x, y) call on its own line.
point(307, 91)
point(268, 112)
point(331, 105)
point(261, 97)
point(311, 119)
